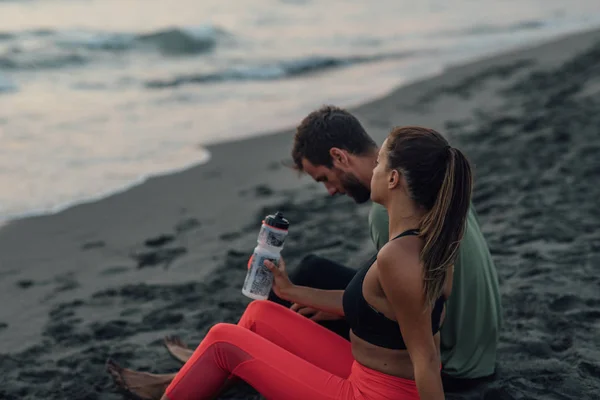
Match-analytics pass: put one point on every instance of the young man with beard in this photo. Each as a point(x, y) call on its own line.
point(332, 146)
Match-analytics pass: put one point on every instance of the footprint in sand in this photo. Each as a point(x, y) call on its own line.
point(263, 191)
point(258, 191)
point(590, 368)
point(159, 241)
point(159, 254)
point(163, 257)
point(561, 343)
point(25, 283)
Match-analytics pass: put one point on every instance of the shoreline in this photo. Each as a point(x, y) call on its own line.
point(285, 127)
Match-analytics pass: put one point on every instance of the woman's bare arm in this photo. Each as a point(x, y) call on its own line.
point(401, 278)
point(329, 301)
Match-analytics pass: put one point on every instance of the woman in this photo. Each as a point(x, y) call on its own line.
point(394, 305)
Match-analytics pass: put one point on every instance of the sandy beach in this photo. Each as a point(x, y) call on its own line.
point(113, 277)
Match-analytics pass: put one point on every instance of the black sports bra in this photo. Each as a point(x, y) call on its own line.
point(371, 325)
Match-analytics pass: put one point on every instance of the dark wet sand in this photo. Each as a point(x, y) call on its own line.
point(111, 278)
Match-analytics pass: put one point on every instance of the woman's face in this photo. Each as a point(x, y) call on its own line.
point(381, 176)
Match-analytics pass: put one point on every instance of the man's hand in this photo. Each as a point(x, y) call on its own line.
point(314, 314)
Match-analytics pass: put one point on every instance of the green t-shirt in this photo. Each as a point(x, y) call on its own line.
point(469, 334)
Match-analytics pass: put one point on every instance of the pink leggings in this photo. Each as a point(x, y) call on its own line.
point(284, 356)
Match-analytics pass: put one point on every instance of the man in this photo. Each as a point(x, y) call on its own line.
point(333, 148)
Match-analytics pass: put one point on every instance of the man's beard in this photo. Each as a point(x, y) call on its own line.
point(355, 189)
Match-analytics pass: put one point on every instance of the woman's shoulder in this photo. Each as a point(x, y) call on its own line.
point(400, 272)
point(402, 257)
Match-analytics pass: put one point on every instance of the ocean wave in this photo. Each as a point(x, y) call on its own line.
point(172, 41)
point(274, 71)
point(488, 29)
point(42, 60)
point(46, 49)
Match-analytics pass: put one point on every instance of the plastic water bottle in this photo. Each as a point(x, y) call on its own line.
point(259, 280)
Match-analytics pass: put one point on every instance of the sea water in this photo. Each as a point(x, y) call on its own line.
point(97, 95)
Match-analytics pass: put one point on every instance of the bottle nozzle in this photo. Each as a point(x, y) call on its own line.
point(277, 220)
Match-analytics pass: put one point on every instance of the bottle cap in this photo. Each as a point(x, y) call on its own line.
point(277, 221)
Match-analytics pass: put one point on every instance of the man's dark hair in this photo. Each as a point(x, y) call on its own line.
point(325, 128)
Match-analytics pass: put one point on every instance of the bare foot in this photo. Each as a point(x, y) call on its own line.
point(178, 349)
point(142, 385)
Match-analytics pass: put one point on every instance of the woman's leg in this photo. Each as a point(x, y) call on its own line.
point(313, 271)
point(231, 350)
point(299, 336)
point(267, 319)
point(275, 323)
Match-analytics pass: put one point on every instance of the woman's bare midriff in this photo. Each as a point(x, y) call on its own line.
point(389, 361)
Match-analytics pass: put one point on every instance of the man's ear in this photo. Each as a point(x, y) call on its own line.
point(339, 158)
